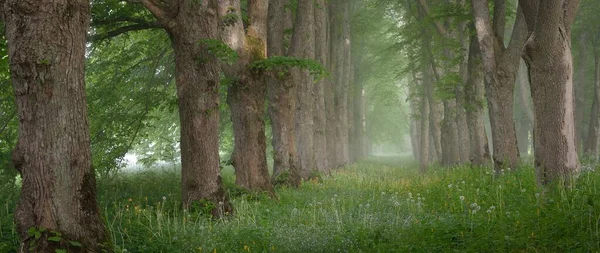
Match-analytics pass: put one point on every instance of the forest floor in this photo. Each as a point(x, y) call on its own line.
point(381, 205)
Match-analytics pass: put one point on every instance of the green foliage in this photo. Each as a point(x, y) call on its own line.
point(220, 50)
point(283, 64)
point(378, 206)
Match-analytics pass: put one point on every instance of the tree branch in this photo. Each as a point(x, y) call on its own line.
point(571, 7)
point(519, 35)
point(119, 20)
point(12, 116)
point(499, 19)
point(154, 6)
point(438, 26)
point(121, 30)
point(530, 12)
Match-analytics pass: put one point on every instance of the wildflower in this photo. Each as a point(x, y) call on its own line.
point(463, 182)
point(382, 193)
point(462, 198)
point(474, 211)
point(450, 186)
point(164, 198)
point(537, 195)
point(396, 203)
point(410, 195)
point(489, 211)
point(492, 207)
point(523, 190)
point(473, 205)
point(506, 237)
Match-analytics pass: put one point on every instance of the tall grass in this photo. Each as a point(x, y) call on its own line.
point(369, 207)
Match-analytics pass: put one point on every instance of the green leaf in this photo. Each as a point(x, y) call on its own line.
point(75, 243)
point(54, 239)
point(60, 251)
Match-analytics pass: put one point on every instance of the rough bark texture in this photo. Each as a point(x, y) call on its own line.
point(475, 96)
point(247, 93)
point(424, 120)
point(46, 43)
point(548, 56)
point(464, 144)
point(320, 117)
point(338, 52)
point(282, 98)
point(591, 145)
point(343, 89)
point(500, 66)
point(351, 128)
point(197, 81)
point(329, 90)
point(435, 122)
point(450, 150)
point(303, 46)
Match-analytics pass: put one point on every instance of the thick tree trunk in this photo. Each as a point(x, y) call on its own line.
point(450, 150)
point(475, 96)
point(320, 114)
point(339, 83)
point(246, 95)
point(53, 155)
point(303, 46)
point(500, 67)
point(343, 88)
point(282, 98)
point(197, 80)
point(330, 104)
point(423, 107)
point(435, 122)
point(464, 143)
point(548, 55)
point(591, 145)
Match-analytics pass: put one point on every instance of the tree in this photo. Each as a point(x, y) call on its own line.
point(475, 95)
point(193, 28)
point(247, 92)
point(282, 100)
point(320, 113)
point(500, 66)
point(548, 56)
point(58, 196)
point(303, 46)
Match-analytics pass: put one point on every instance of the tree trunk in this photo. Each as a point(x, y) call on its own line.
point(450, 150)
point(197, 80)
point(464, 144)
point(339, 83)
point(320, 117)
point(53, 155)
point(329, 89)
point(435, 122)
point(591, 145)
point(500, 65)
point(548, 56)
point(423, 107)
point(475, 96)
point(282, 99)
point(246, 95)
point(343, 89)
point(351, 127)
point(359, 116)
point(303, 46)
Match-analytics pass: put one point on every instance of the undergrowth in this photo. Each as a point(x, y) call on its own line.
point(369, 207)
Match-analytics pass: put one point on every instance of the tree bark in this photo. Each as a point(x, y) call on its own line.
point(424, 119)
point(524, 121)
point(303, 46)
point(475, 96)
point(329, 89)
point(197, 79)
point(282, 98)
point(464, 143)
point(320, 114)
point(500, 65)
point(548, 56)
point(46, 43)
point(247, 93)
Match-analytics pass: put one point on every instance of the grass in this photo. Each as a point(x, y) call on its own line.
point(376, 206)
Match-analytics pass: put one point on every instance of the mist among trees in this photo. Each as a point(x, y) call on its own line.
point(299, 126)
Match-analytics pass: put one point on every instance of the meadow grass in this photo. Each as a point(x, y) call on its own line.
point(373, 206)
